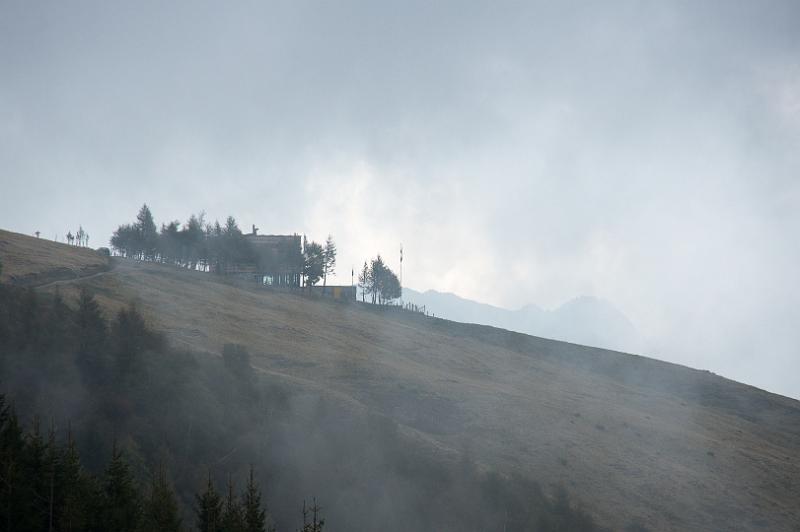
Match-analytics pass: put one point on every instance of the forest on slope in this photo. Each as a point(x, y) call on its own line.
point(119, 385)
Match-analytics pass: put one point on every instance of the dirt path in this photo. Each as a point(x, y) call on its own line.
point(72, 280)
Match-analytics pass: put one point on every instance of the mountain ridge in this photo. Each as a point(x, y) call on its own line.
point(585, 320)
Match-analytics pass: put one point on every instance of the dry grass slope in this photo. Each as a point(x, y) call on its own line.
point(28, 260)
point(631, 437)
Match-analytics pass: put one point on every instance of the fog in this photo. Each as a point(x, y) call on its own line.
point(645, 153)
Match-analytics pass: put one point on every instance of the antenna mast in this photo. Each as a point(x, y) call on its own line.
point(401, 272)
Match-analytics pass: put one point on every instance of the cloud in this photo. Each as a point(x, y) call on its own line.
point(523, 153)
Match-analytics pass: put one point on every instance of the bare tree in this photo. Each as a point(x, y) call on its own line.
point(316, 523)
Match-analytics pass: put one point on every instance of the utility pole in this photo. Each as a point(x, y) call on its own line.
point(401, 273)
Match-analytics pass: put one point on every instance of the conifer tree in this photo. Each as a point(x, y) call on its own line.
point(34, 488)
point(193, 241)
point(121, 504)
point(130, 338)
point(76, 488)
point(52, 476)
point(147, 233)
point(91, 333)
point(209, 509)
point(126, 241)
point(161, 506)
point(59, 323)
point(232, 515)
point(12, 487)
point(255, 516)
point(328, 260)
point(363, 281)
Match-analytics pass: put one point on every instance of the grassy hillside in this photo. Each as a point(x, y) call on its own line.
point(28, 260)
point(632, 438)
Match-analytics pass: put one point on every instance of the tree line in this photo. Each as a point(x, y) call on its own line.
point(196, 245)
point(80, 238)
point(44, 484)
point(220, 248)
point(45, 487)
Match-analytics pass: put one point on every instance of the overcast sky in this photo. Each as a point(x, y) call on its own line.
point(644, 152)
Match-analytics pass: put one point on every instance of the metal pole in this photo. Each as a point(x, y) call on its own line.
point(401, 273)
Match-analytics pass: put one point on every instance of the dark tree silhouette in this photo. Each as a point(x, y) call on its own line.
point(364, 281)
point(160, 511)
point(147, 233)
point(232, 514)
point(255, 517)
point(313, 263)
point(379, 281)
point(121, 508)
point(312, 520)
point(91, 334)
point(328, 260)
point(209, 509)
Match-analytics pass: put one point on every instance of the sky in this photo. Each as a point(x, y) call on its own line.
point(647, 153)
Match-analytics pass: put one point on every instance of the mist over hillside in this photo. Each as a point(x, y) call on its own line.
point(584, 320)
point(394, 416)
point(210, 213)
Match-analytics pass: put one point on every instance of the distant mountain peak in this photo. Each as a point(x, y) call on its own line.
point(585, 319)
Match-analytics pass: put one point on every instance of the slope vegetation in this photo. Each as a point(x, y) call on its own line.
point(634, 439)
point(34, 261)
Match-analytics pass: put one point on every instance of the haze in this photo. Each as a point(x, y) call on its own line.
point(646, 153)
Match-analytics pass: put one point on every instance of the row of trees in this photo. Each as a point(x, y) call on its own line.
point(80, 238)
point(198, 245)
point(45, 487)
point(379, 282)
point(195, 245)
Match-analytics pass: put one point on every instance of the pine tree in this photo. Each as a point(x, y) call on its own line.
point(255, 516)
point(91, 333)
point(34, 488)
point(147, 233)
point(130, 338)
point(161, 507)
point(52, 476)
point(232, 516)
point(76, 488)
point(363, 281)
point(209, 509)
point(328, 260)
point(121, 503)
point(12, 488)
point(59, 323)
